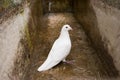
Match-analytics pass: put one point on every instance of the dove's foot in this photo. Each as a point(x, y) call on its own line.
point(69, 62)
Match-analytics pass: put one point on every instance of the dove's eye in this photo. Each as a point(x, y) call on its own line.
point(66, 27)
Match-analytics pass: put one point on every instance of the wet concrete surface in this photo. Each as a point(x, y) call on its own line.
point(86, 64)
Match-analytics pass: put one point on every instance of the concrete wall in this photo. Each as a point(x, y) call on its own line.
point(34, 25)
point(108, 18)
point(100, 22)
point(57, 6)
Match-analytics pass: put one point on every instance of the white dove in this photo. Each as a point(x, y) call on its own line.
point(60, 49)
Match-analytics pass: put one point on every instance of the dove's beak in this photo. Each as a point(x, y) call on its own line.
point(71, 29)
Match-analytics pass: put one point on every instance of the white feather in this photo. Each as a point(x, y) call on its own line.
point(59, 51)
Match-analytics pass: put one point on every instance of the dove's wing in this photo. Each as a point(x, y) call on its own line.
point(59, 51)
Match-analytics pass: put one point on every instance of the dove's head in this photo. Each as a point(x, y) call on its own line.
point(66, 27)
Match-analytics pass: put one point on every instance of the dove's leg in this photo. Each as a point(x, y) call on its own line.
point(64, 60)
point(68, 62)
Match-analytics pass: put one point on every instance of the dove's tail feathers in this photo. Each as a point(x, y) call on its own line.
point(48, 64)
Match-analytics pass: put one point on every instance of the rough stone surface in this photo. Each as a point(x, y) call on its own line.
point(11, 32)
point(109, 26)
point(101, 23)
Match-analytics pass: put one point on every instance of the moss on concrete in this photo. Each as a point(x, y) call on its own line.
point(5, 3)
point(28, 38)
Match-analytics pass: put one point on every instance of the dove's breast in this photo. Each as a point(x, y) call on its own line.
point(60, 50)
point(64, 48)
